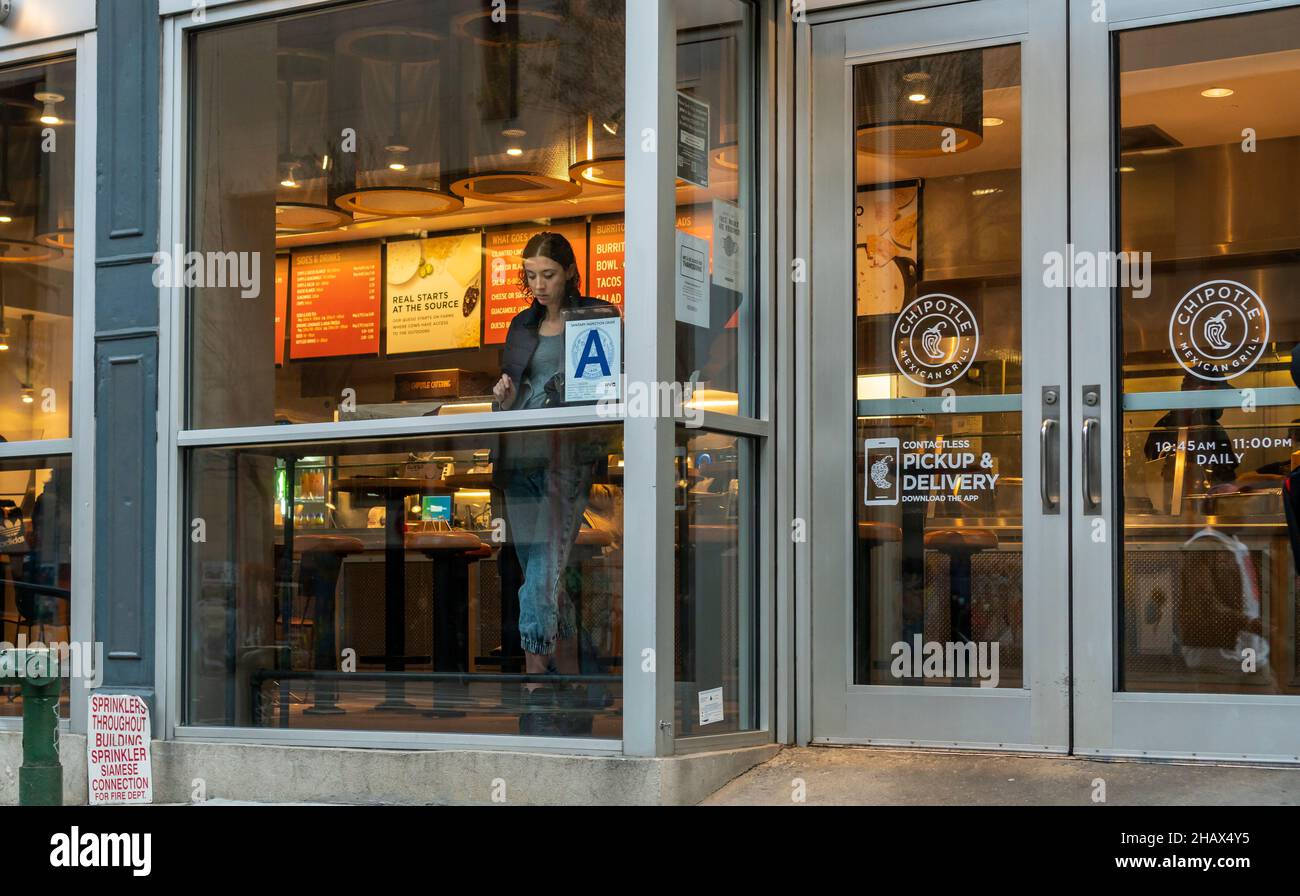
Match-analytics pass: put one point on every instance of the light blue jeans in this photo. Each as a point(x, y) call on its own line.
point(544, 509)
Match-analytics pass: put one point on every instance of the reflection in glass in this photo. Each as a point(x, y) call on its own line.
point(1208, 179)
point(378, 585)
point(36, 567)
point(716, 626)
point(384, 165)
point(717, 214)
point(938, 563)
point(37, 171)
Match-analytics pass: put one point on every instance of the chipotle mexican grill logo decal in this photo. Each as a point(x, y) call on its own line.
point(936, 340)
point(1219, 330)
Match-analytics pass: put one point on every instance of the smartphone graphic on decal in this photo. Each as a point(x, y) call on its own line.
point(882, 470)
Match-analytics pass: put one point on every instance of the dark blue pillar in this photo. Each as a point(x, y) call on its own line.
point(126, 343)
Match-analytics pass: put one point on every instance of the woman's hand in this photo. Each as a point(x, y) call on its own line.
point(504, 392)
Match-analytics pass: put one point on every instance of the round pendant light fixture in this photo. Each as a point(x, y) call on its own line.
point(14, 250)
point(515, 186)
point(394, 189)
point(54, 205)
point(60, 238)
point(399, 202)
point(525, 162)
point(297, 181)
point(921, 108)
point(306, 217)
point(600, 154)
point(516, 24)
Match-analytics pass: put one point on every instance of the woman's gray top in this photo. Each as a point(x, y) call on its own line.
point(547, 361)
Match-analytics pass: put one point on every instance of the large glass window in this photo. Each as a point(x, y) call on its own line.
point(366, 182)
point(36, 567)
point(939, 528)
point(1208, 180)
point(38, 116)
point(715, 616)
point(37, 167)
point(406, 208)
point(409, 585)
point(714, 624)
point(717, 318)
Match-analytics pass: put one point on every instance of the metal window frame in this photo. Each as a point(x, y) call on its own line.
point(170, 631)
point(765, 557)
point(80, 448)
point(1142, 719)
point(871, 34)
point(650, 214)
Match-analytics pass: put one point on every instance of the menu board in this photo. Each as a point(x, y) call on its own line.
point(432, 302)
point(606, 275)
point(335, 302)
point(504, 295)
point(281, 305)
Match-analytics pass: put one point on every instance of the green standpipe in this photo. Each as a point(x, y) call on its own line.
point(40, 779)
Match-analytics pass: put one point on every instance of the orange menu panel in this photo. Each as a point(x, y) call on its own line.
point(281, 305)
point(335, 302)
point(606, 275)
point(504, 295)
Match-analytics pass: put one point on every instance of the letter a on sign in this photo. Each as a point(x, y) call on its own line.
point(593, 353)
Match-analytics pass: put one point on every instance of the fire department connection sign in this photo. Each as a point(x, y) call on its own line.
point(118, 750)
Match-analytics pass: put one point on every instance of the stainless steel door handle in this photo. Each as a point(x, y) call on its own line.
point(1091, 497)
point(1051, 496)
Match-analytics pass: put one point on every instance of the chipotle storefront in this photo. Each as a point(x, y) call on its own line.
point(538, 382)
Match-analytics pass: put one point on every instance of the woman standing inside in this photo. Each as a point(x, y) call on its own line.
point(546, 476)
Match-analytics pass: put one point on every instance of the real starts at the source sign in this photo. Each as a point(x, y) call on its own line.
point(118, 750)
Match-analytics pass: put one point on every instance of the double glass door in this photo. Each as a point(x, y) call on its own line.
point(1054, 287)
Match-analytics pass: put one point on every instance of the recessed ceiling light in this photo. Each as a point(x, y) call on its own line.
point(1217, 93)
point(396, 166)
point(918, 98)
point(992, 122)
point(1127, 169)
point(985, 191)
point(514, 151)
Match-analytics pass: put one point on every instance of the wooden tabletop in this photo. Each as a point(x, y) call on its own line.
point(389, 484)
point(442, 541)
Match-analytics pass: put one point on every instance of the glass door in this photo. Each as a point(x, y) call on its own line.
point(936, 398)
point(1186, 145)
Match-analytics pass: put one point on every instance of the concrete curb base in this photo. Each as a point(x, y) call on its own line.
point(184, 770)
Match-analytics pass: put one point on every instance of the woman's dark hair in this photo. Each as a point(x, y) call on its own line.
point(557, 249)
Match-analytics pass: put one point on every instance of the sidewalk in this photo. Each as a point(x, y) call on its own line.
point(860, 776)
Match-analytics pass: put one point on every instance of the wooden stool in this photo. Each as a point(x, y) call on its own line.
point(960, 545)
point(318, 578)
point(451, 553)
point(871, 535)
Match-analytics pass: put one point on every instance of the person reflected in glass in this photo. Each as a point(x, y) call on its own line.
point(546, 476)
point(1212, 463)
